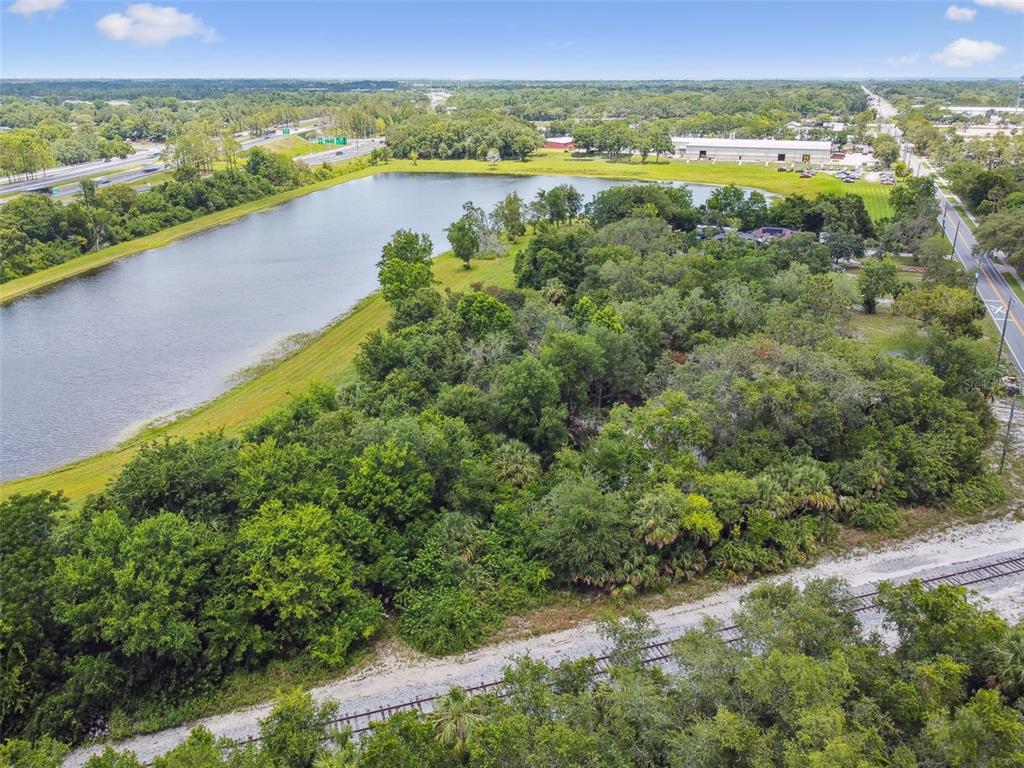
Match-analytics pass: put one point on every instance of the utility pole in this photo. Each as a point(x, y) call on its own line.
point(1009, 428)
point(955, 236)
point(1002, 335)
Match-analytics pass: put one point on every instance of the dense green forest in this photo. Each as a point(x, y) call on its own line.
point(647, 405)
point(188, 88)
point(805, 685)
point(750, 108)
point(981, 93)
point(65, 130)
point(463, 135)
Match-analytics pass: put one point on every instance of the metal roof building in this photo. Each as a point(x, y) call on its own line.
point(752, 150)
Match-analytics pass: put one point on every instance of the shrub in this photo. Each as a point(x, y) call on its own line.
point(444, 620)
point(875, 516)
point(977, 494)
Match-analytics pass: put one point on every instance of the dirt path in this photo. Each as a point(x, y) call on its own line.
point(395, 678)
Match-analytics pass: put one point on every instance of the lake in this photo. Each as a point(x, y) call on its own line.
point(89, 362)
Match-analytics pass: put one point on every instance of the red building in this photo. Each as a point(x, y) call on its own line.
point(560, 142)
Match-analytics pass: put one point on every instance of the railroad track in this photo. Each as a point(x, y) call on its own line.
point(360, 722)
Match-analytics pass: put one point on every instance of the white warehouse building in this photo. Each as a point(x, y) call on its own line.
point(753, 150)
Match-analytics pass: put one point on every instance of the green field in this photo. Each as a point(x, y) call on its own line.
point(292, 146)
point(876, 196)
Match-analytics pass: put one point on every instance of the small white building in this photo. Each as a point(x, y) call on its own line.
point(752, 150)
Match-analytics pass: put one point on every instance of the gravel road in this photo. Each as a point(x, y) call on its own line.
point(393, 679)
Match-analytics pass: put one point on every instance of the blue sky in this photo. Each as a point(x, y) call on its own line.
point(529, 40)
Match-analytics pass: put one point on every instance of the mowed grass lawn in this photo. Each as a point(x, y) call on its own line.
point(291, 146)
point(327, 358)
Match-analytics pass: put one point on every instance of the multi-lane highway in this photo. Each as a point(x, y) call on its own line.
point(66, 174)
point(140, 164)
point(357, 148)
point(1005, 309)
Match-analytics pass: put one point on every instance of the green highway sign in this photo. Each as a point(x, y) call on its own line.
point(331, 140)
point(340, 140)
point(286, 131)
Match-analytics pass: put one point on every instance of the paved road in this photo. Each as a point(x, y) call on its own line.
point(71, 188)
point(65, 186)
point(357, 148)
point(1003, 306)
point(67, 174)
point(1005, 309)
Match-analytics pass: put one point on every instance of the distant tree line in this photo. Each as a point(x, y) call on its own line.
point(463, 135)
point(748, 108)
point(65, 129)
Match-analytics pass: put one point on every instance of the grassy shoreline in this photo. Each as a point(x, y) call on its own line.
point(328, 355)
point(89, 262)
point(550, 163)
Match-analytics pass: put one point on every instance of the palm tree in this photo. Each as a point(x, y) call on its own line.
point(342, 753)
point(1008, 658)
point(453, 719)
point(516, 464)
point(656, 519)
point(554, 291)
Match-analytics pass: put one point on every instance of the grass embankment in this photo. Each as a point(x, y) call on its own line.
point(876, 197)
point(296, 146)
point(328, 357)
point(38, 281)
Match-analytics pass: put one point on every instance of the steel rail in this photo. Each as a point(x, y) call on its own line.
point(360, 722)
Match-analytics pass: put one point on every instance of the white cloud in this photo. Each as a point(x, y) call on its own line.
point(959, 13)
point(1009, 5)
point(147, 24)
point(29, 7)
point(964, 52)
point(910, 58)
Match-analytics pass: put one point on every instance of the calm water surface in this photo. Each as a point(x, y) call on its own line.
point(89, 362)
